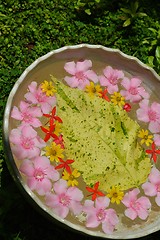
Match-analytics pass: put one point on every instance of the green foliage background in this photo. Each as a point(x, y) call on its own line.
point(30, 29)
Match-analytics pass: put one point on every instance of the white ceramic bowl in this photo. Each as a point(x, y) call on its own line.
point(52, 63)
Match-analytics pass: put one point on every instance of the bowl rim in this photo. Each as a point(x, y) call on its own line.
point(34, 200)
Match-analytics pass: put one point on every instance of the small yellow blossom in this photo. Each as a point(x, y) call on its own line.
point(71, 178)
point(145, 137)
point(94, 90)
point(54, 152)
point(48, 88)
point(115, 194)
point(57, 129)
point(117, 99)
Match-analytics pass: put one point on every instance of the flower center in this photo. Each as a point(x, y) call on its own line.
point(27, 117)
point(39, 174)
point(71, 177)
point(152, 115)
point(113, 80)
point(27, 143)
point(135, 205)
point(158, 188)
point(101, 214)
point(64, 200)
point(133, 91)
point(115, 194)
point(40, 97)
point(80, 76)
point(54, 152)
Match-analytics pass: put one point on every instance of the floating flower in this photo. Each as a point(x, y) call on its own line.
point(103, 94)
point(93, 90)
point(59, 140)
point(65, 164)
point(71, 177)
point(157, 139)
point(117, 99)
point(99, 214)
point(53, 116)
point(136, 207)
point(127, 107)
point(27, 114)
point(134, 91)
point(64, 199)
point(153, 152)
point(26, 143)
point(48, 88)
point(145, 137)
point(81, 74)
point(152, 187)
point(49, 131)
point(39, 174)
point(150, 114)
point(36, 96)
point(54, 152)
point(94, 191)
point(111, 79)
point(115, 194)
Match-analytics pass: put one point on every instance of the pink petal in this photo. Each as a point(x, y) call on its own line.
point(103, 81)
point(16, 114)
point(70, 67)
point(112, 88)
point(43, 186)
point(41, 162)
point(149, 189)
point(130, 213)
point(135, 82)
point(126, 83)
point(32, 87)
point(32, 183)
point(102, 202)
point(83, 66)
point(46, 107)
point(92, 76)
point(52, 173)
point(35, 111)
point(36, 123)
point(130, 197)
point(112, 216)
point(72, 81)
point(29, 132)
point(61, 211)
point(14, 136)
point(134, 98)
point(23, 106)
point(27, 168)
point(75, 194)
point(142, 213)
point(83, 84)
point(88, 206)
point(142, 115)
point(154, 127)
point(52, 200)
point(154, 176)
point(60, 186)
point(75, 207)
point(157, 139)
point(144, 202)
point(143, 92)
point(155, 107)
point(30, 98)
point(92, 221)
point(107, 227)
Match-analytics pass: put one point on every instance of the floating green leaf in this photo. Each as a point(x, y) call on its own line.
point(105, 146)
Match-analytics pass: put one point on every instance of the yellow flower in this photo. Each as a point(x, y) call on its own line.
point(117, 99)
point(93, 89)
point(146, 138)
point(54, 152)
point(71, 178)
point(57, 129)
point(115, 194)
point(48, 88)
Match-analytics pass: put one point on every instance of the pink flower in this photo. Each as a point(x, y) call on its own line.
point(27, 114)
point(64, 199)
point(136, 207)
point(81, 74)
point(36, 96)
point(98, 214)
point(157, 139)
point(111, 79)
point(152, 187)
point(150, 114)
point(26, 143)
point(40, 174)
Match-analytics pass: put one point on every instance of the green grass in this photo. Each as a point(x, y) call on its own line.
point(30, 29)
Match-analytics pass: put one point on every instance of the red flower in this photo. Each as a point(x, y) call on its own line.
point(127, 107)
point(94, 191)
point(153, 152)
point(64, 164)
point(52, 116)
point(104, 96)
point(49, 132)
